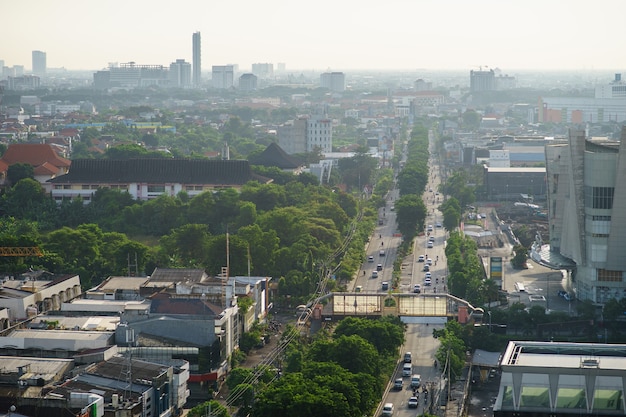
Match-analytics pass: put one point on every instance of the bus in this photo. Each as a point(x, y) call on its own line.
point(519, 286)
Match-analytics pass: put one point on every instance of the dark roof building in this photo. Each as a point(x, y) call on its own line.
point(275, 156)
point(146, 178)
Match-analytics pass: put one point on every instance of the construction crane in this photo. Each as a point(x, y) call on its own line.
point(20, 251)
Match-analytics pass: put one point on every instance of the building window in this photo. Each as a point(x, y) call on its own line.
point(156, 188)
point(601, 218)
point(600, 197)
point(85, 186)
point(605, 275)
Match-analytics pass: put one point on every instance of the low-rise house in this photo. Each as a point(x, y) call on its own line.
point(46, 162)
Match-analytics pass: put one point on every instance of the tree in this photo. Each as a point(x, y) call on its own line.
point(386, 334)
point(19, 171)
point(189, 243)
point(410, 215)
point(521, 255)
point(351, 352)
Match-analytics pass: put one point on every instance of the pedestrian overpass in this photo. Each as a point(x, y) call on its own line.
point(337, 305)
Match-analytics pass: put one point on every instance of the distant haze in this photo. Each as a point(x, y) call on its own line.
point(334, 35)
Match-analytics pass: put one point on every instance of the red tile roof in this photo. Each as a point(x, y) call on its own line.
point(33, 154)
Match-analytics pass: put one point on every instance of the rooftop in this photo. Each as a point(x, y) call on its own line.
point(565, 355)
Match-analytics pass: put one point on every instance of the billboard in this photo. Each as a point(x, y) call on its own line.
point(495, 270)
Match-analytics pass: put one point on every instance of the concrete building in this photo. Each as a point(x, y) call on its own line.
point(499, 158)
point(510, 183)
point(223, 76)
point(614, 89)
point(29, 294)
point(39, 63)
point(334, 81)
point(306, 134)
point(196, 59)
point(319, 133)
point(482, 81)
point(131, 75)
point(587, 213)
point(180, 74)
point(292, 136)
point(263, 70)
point(24, 82)
point(248, 82)
point(542, 379)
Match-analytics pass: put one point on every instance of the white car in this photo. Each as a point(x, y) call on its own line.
point(413, 402)
point(387, 410)
point(421, 258)
point(429, 262)
point(428, 275)
point(431, 238)
point(427, 282)
point(417, 288)
point(430, 228)
point(370, 258)
point(430, 245)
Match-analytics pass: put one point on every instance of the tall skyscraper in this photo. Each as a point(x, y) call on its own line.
point(197, 59)
point(39, 63)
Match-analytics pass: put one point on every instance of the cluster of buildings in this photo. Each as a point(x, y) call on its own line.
point(131, 346)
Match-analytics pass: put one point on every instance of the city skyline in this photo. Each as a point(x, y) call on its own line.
point(337, 36)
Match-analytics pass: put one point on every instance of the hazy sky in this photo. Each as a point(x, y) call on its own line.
point(320, 34)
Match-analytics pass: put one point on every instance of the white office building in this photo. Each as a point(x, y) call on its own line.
point(587, 213)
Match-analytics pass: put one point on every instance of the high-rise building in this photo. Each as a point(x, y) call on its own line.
point(248, 82)
point(482, 81)
point(180, 73)
point(587, 215)
point(265, 70)
point(39, 63)
point(197, 59)
point(334, 81)
point(222, 76)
